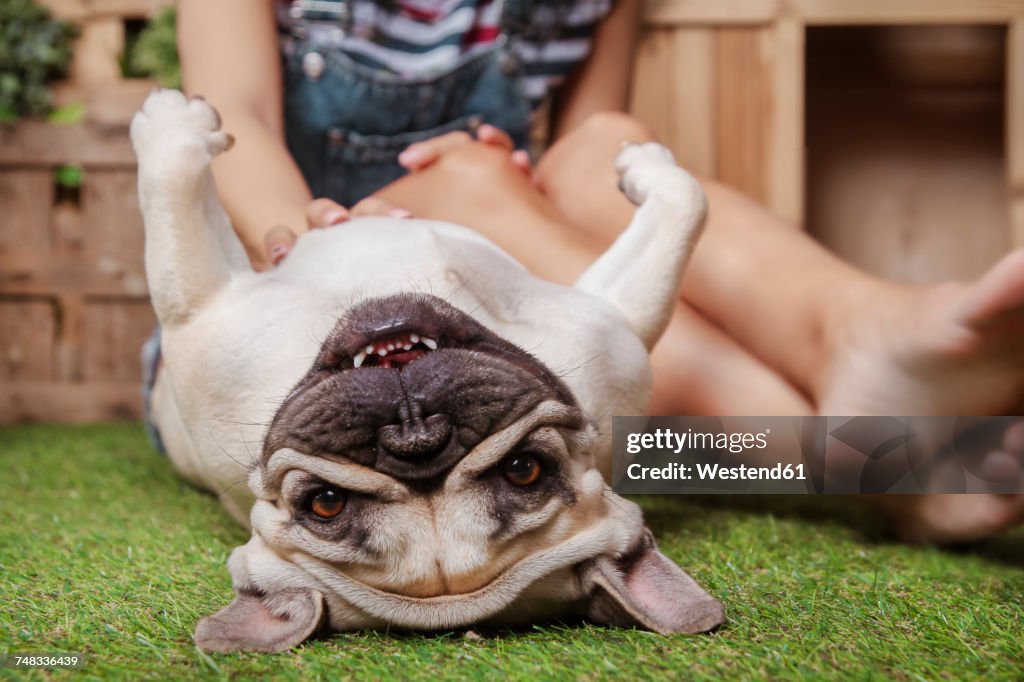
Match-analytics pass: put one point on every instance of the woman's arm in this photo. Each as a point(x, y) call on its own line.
point(601, 83)
point(229, 55)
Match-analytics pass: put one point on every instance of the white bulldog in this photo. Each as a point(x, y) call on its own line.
point(422, 423)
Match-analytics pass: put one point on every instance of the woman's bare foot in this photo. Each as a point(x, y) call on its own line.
point(952, 519)
point(953, 349)
point(949, 519)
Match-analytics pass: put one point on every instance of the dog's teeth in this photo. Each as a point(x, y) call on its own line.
point(391, 346)
point(369, 349)
point(429, 343)
point(415, 338)
point(357, 361)
point(382, 352)
point(407, 346)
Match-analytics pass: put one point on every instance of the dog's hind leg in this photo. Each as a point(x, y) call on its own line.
point(641, 272)
point(191, 249)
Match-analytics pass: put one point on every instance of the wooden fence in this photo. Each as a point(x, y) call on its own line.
point(74, 308)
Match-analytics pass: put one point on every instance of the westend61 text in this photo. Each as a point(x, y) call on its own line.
point(716, 472)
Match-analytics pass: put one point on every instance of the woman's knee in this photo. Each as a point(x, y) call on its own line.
point(476, 164)
point(616, 126)
point(479, 175)
point(598, 138)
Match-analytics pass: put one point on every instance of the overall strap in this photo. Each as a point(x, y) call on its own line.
point(321, 10)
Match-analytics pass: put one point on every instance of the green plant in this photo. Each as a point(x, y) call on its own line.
point(69, 176)
point(154, 52)
point(34, 49)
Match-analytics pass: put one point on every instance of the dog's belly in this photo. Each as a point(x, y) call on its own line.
point(381, 256)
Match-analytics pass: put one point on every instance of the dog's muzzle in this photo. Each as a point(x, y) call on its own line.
point(408, 384)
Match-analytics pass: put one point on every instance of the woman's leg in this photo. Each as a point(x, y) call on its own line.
point(855, 344)
point(697, 368)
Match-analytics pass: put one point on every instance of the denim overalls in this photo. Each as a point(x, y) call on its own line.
point(346, 123)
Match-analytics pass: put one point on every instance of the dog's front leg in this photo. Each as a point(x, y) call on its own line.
point(191, 249)
point(641, 272)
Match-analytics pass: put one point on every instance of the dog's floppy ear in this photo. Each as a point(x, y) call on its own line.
point(648, 590)
point(256, 622)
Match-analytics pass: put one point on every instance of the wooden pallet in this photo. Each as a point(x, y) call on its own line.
point(73, 302)
point(74, 309)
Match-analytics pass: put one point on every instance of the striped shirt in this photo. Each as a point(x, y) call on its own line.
point(423, 38)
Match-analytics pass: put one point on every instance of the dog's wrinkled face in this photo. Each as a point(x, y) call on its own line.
point(427, 474)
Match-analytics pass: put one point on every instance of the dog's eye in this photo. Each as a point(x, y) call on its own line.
point(327, 503)
point(521, 469)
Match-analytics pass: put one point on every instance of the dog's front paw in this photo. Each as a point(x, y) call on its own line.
point(650, 167)
point(170, 120)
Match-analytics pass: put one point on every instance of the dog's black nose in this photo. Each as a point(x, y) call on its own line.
point(416, 438)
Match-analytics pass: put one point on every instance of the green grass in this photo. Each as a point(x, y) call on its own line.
point(104, 551)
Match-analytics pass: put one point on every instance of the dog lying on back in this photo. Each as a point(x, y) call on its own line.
point(436, 459)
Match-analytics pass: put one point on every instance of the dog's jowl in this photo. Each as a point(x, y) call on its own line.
point(434, 420)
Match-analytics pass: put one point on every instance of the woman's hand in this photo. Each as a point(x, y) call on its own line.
point(421, 154)
point(321, 213)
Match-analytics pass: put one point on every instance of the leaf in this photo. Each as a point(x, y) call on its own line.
point(34, 49)
point(8, 115)
point(154, 53)
point(68, 114)
point(70, 176)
